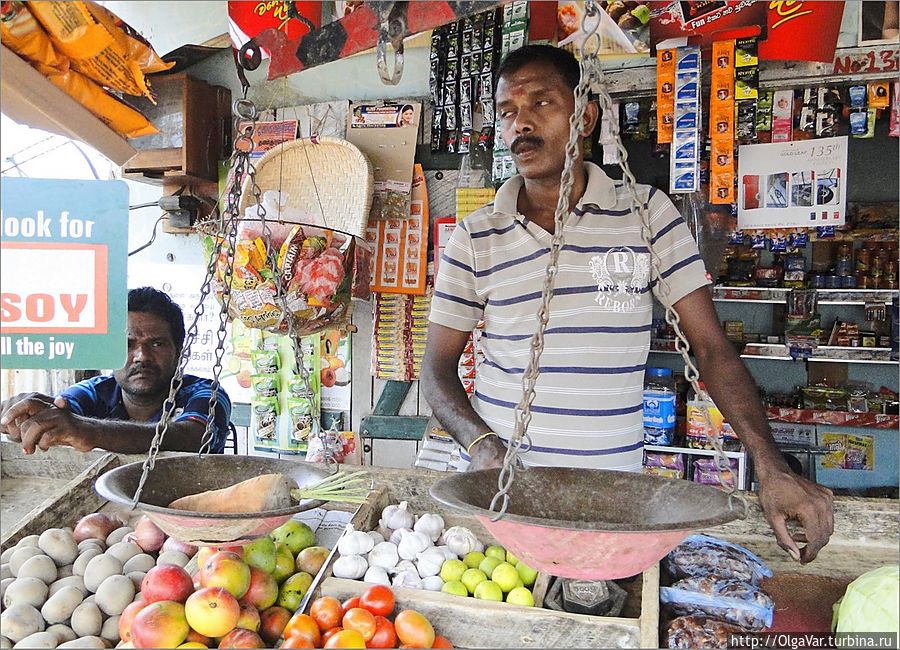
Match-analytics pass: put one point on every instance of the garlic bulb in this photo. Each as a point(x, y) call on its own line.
point(352, 567)
point(355, 543)
point(431, 525)
point(377, 575)
point(407, 580)
point(412, 543)
point(432, 583)
point(448, 554)
point(384, 555)
point(397, 535)
point(399, 516)
point(376, 536)
point(403, 565)
point(429, 562)
point(460, 540)
point(384, 532)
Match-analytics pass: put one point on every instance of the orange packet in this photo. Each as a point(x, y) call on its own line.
point(21, 33)
point(665, 95)
point(139, 49)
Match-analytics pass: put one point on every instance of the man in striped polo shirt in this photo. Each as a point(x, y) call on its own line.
point(588, 406)
point(119, 412)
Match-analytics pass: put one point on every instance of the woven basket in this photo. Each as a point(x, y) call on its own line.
point(328, 180)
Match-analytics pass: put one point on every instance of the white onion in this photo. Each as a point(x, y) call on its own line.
point(147, 535)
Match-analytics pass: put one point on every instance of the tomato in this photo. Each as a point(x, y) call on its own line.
point(385, 636)
point(414, 629)
point(346, 639)
point(378, 599)
point(327, 612)
point(303, 625)
point(350, 603)
point(361, 620)
point(327, 634)
point(441, 642)
point(299, 641)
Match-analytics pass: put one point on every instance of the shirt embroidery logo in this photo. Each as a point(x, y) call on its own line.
point(621, 275)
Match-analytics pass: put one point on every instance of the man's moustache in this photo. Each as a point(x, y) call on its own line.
point(524, 140)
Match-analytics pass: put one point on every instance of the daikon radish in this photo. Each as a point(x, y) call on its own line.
point(258, 494)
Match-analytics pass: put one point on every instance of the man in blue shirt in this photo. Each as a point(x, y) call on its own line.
point(119, 412)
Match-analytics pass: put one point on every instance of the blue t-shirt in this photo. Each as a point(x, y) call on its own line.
point(100, 397)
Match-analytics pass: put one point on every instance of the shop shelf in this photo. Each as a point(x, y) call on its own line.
point(833, 418)
point(824, 354)
point(693, 452)
point(778, 295)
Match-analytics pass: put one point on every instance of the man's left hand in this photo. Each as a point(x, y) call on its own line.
point(55, 426)
point(784, 497)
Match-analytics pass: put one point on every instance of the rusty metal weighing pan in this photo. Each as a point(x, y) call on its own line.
point(588, 524)
point(177, 476)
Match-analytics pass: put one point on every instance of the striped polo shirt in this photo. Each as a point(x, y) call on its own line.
point(588, 406)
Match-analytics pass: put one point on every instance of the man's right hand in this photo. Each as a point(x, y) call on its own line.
point(487, 454)
point(15, 411)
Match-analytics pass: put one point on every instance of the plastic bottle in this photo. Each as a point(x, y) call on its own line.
point(659, 407)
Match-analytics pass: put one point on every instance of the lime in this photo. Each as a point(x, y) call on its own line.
point(473, 559)
point(452, 570)
point(488, 590)
point(506, 576)
point(527, 574)
point(455, 587)
point(520, 596)
point(472, 578)
point(488, 565)
point(496, 551)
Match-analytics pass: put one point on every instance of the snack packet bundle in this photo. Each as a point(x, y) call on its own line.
point(702, 555)
point(665, 465)
point(732, 601)
point(705, 472)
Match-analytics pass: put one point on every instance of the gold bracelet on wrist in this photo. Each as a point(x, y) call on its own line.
point(477, 440)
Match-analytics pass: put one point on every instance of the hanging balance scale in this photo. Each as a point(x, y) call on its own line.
point(586, 523)
point(157, 481)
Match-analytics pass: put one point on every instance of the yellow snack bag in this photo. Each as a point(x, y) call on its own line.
point(139, 50)
point(21, 33)
point(93, 50)
point(121, 118)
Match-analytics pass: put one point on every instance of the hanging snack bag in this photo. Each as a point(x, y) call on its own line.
point(266, 361)
point(265, 385)
point(20, 32)
point(300, 411)
point(264, 416)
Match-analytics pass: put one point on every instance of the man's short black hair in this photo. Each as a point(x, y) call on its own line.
point(564, 62)
point(153, 301)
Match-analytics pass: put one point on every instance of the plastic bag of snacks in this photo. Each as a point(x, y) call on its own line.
point(700, 632)
point(733, 601)
point(701, 555)
point(315, 268)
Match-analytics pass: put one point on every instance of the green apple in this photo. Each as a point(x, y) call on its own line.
point(293, 590)
point(506, 576)
point(261, 554)
point(489, 590)
point(473, 559)
point(455, 587)
point(295, 534)
point(488, 565)
point(527, 574)
point(496, 551)
point(472, 578)
point(520, 596)
point(284, 563)
point(452, 570)
point(511, 559)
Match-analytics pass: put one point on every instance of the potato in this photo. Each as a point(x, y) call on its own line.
point(140, 562)
point(39, 566)
point(5, 555)
point(110, 630)
point(84, 642)
point(172, 557)
point(82, 561)
point(136, 577)
point(28, 540)
point(59, 545)
point(124, 551)
point(59, 606)
point(99, 569)
point(38, 640)
point(118, 535)
point(63, 632)
point(20, 621)
point(20, 556)
point(87, 620)
point(5, 571)
point(70, 581)
point(4, 585)
point(92, 541)
point(114, 595)
point(64, 571)
point(26, 591)
point(89, 599)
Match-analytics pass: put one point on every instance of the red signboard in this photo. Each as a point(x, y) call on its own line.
point(706, 20)
point(802, 31)
point(247, 18)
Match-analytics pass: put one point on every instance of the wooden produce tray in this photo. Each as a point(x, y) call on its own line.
point(473, 623)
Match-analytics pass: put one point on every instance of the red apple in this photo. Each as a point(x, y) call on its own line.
point(272, 622)
point(249, 618)
point(206, 552)
point(160, 625)
point(227, 570)
point(127, 619)
point(212, 611)
point(263, 590)
point(241, 638)
point(166, 582)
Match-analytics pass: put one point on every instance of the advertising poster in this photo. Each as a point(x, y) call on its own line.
point(802, 31)
point(63, 254)
point(705, 20)
point(248, 19)
point(624, 27)
point(799, 184)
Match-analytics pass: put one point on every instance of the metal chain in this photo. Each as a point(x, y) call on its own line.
point(591, 70)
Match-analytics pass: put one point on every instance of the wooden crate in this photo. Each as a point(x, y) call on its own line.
point(473, 623)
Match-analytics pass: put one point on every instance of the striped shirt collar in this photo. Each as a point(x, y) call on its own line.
point(600, 192)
